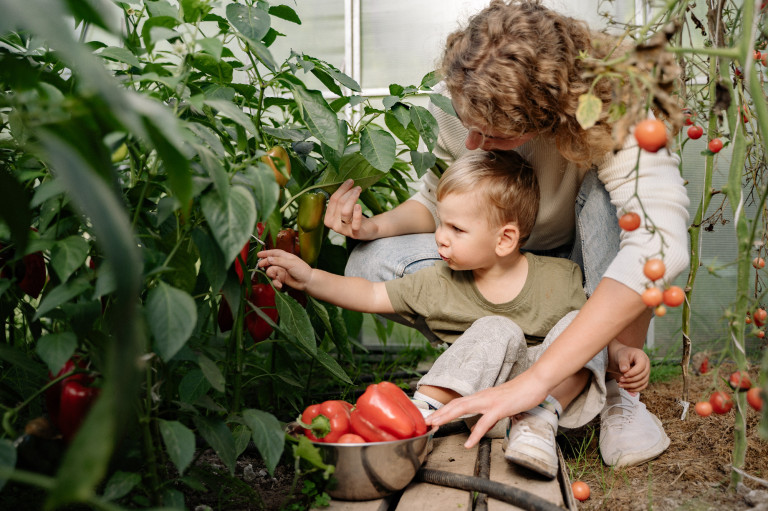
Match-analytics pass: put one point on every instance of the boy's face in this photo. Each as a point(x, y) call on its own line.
point(464, 237)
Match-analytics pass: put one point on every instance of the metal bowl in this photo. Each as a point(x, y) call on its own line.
point(375, 469)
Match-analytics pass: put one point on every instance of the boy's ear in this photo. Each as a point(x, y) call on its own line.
point(509, 239)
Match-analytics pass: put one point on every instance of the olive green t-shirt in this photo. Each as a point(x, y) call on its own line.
point(450, 302)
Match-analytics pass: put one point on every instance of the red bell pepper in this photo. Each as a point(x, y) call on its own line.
point(327, 421)
point(350, 438)
point(384, 412)
point(224, 317)
point(263, 297)
point(30, 272)
point(76, 401)
point(244, 255)
point(53, 393)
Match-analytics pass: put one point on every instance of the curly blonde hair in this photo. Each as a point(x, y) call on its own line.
point(515, 68)
point(506, 182)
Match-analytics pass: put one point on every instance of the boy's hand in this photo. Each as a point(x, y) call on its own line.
point(633, 365)
point(285, 268)
point(345, 216)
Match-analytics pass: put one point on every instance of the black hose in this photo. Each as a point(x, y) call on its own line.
point(483, 470)
point(508, 494)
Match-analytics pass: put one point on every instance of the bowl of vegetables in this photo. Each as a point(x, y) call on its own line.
point(377, 445)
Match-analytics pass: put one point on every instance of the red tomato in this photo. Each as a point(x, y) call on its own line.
point(740, 380)
point(758, 55)
point(760, 334)
point(703, 408)
point(660, 311)
point(715, 145)
point(629, 221)
point(721, 402)
point(754, 398)
point(654, 269)
point(758, 262)
point(673, 296)
point(704, 367)
point(350, 438)
point(759, 316)
point(748, 320)
point(652, 297)
point(688, 118)
point(695, 132)
point(580, 490)
point(651, 135)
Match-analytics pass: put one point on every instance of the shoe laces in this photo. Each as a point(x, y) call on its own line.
point(618, 418)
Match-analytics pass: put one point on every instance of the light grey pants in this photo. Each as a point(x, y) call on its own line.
point(493, 350)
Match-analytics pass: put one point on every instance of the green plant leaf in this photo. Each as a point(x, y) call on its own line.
point(68, 255)
point(193, 386)
point(242, 436)
point(250, 21)
point(333, 367)
point(14, 209)
point(295, 320)
point(119, 54)
point(220, 71)
point(120, 484)
point(443, 103)
point(267, 435)
point(211, 258)
point(409, 135)
point(422, 162)
point(265, 56)
point(430, 79)
point(218, 436)
point(426, 125)
point(7, 458)
point(308, 452)
point(179, 443)
point(352, 166)
point(176, 164)
point(319, 117)
point(265, 188)
point(56, 349)
point(231, 221)
point(211, 372)
point(378, 147)
point(172, 315)
point(194, 10)
point(285, 12)
point(229, 109)
point(589, 110)
point(61, 294)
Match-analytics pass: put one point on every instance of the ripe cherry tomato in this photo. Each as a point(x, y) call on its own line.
point(654, 269)
point(350, 438)
point(759, 316)
point(704, 367)
point(695, 132)
point(660, 311)
point(721, 402)
point(715, 145)
point(748, 320)
point(673, 296)
point(754, 398)
point(651, 135)
point(758, 262)
point(652, 297)
point(629, 221)
point(688, 118)
point(760, 334)
point(703, 408)
point(580, 490)
point(758, 55)
point(740, 380)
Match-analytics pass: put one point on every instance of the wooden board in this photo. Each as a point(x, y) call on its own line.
point(366, 505)
point(519, 477)
point(449, 454)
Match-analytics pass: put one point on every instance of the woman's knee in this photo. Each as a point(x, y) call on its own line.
point(390, 258)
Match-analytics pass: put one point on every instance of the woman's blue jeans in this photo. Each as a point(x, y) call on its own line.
point(596, 242)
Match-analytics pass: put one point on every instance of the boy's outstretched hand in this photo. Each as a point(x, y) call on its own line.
point(285, 269)
point(631, 366)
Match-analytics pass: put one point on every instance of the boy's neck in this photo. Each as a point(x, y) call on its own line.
point(503, 281)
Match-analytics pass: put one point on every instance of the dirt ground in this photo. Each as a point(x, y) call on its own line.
point(693, 474)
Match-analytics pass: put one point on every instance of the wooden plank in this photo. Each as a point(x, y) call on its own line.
point(448, 453)
point(510, 474)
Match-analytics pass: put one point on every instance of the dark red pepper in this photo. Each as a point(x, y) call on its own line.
point(224, 318)
point(326, 421)
point(30, 273)
point(263, 297)
point(76, 401)
point(53, 393)
point(287, 240)
point(244, 255)
point(384, 412)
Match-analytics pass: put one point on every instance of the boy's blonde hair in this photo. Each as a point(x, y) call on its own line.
point(516, 68)
point(506, 185)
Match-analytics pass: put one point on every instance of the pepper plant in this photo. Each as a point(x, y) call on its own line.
point(141, 142)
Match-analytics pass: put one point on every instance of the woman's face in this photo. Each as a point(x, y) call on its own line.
point(485, 138)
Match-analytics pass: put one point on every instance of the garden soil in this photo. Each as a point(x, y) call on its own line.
point(693, 474)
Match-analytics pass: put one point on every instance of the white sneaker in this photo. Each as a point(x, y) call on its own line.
point(425, 408)
point(530, 441)
point(629, 433)
point(499, 430)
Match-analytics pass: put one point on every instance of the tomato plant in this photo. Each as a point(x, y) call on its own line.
point(629, 221)
point(695, 132)
point(715, 145)
point(651, 134)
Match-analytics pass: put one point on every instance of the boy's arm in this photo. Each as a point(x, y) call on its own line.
point(351, 293)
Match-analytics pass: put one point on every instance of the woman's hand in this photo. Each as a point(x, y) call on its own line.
point(345, 216)
point(515, 396)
